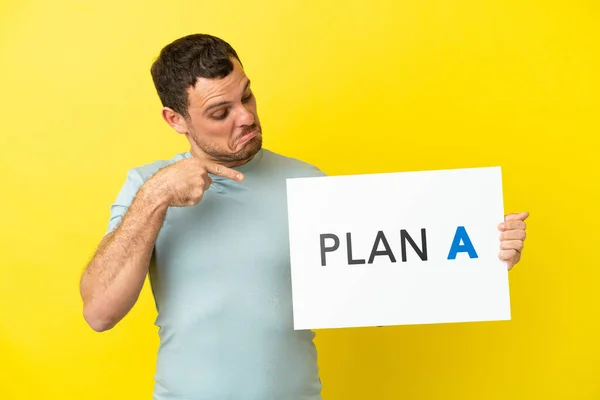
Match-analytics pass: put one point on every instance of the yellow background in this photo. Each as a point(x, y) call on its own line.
point(352, 86)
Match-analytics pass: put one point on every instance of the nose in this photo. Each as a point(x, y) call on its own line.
point(246, 117)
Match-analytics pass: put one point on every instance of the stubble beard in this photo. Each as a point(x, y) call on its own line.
point(248, 151)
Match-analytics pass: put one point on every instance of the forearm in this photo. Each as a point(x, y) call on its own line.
point(114, 278)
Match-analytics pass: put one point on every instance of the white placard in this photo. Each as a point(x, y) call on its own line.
point(397, 248)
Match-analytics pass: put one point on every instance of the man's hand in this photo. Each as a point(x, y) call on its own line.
point(184, 182)
point(512, 238)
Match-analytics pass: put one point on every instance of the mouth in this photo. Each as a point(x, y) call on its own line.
point(248, 136)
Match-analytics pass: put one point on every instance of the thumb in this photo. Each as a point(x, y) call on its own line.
point(522, 216)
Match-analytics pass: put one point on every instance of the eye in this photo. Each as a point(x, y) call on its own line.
point(247, 98)
point(221, 115)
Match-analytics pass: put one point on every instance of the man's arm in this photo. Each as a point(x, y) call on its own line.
point(114, 278)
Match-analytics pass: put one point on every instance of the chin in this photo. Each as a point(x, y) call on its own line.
point(252, 146)
point(247, 150)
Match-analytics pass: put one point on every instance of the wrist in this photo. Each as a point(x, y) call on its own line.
point(154, 195)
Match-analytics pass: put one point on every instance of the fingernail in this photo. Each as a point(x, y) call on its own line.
point(238, 176)
point(502, 225)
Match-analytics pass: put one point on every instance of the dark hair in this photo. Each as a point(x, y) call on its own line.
point(186, 59)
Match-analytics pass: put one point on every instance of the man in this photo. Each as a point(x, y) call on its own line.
point(210, 227)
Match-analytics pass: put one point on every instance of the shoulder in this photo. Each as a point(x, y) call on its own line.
point(145, 171)
point(290, 166)
point(138, 175)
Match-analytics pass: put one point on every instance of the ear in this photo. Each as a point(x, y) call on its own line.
point(175, 120)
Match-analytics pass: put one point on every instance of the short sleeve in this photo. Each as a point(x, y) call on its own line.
point(320, 173)
point(316, 171)
point(125, 197)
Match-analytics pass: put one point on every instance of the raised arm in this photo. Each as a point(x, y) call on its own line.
point(113, 279)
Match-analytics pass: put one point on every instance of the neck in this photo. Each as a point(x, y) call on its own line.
point(224, 162)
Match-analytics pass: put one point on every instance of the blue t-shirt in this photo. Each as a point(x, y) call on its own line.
point(221, 281)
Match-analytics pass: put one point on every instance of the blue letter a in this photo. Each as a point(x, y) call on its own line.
point(461, 235)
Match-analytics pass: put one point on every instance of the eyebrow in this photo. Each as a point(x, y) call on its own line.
point(223, 103)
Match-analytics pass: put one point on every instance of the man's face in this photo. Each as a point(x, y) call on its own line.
point(223, 125)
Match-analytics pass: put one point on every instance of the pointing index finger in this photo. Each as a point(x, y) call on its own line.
point(221, 170)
